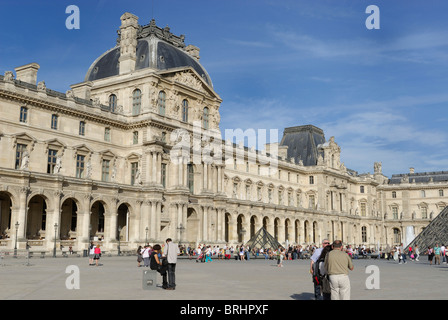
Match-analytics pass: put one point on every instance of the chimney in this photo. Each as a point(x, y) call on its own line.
point(128, 42)
point(27, 73)
point(82, 90)
point(411, 170)
point(193, 51)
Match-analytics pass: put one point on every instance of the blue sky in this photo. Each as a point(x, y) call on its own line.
point(381, 93)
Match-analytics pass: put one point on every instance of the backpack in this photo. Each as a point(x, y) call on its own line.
point(317, 275)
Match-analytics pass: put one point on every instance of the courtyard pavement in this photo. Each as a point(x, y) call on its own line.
point(119, 278)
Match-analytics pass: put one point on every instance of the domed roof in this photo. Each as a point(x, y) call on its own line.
point(157, 49)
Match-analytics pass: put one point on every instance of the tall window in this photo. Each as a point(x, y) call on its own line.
point(107, 134)
point(135, 137)
point(440, 193)
point(361, 189)
point(395, 213)
point(205, 118)
point(163, 175)
point(364, 234)
point(80, 165)
point(134, 169)
point(363, 209)
point(312, 201)
point(185, 111)
point(52, 155)
point(20, 149)
point(424, 213)
point(162, 103)
point(54, 122)
point(136, 101)
point(113, 102)
point(105, 170)
point(190, 177)
point(311, 179)
point(23, 114)
point(82, 128)
point(394, 194)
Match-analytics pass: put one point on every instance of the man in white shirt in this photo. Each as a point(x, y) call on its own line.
point(171, 253)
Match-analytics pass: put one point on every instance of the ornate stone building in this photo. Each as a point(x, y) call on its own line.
point(134, 154)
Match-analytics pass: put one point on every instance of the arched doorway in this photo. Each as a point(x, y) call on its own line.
point(276, 230)
point(192, 232)
point(36, 218)
point(226, 227)
point(97, 220)
point(123, 222)
point(240, 229)
point(253, 222)
point(5, 215)
point(69, 219)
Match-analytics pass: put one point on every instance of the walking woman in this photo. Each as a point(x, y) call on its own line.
point(97, 254)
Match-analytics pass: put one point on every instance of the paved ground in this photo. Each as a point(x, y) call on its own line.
point(119, 278)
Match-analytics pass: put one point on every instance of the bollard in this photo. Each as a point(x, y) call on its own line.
point(149, 279)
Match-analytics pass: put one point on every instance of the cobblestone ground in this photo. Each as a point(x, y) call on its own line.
point(119, 278)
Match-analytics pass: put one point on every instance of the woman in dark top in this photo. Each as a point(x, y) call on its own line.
point(156, 263)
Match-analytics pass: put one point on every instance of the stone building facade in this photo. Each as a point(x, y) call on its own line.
point(134, 154)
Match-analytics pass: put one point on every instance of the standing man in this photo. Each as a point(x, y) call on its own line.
point(337, 263)
point(314, 258)
point(171, 252)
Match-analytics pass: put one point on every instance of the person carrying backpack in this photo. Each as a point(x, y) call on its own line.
point(320, 276)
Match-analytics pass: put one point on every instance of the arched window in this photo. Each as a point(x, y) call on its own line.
point(136, 101)
point(185, 111)
point(112, 102)
point(162, 103)
point(205, 118)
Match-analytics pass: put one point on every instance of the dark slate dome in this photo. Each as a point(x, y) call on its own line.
point(157, 49)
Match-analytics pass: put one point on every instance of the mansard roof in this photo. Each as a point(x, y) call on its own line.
point(302, 142)
point(424, 177)
point(157, 49)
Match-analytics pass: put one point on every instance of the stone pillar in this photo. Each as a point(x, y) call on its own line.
point(204, 223)
point(128, 42)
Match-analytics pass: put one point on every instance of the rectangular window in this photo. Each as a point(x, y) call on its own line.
point(134, 169)
point(363, 209)
point(440, 193)
point(361, 189)
point(163, 175)
point(80, 165)
point(20, 149)
point(311, 179)
point(190, 178)
point(54, 122)
point(23, 114)
point(135, 137)
point(395, 213)
point(52, 156)
point(107, 134)
point(312, 201)
point(105, 170)
point(82, 128)
point(424, 213)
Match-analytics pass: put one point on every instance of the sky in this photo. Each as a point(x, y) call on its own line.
point(382, 93)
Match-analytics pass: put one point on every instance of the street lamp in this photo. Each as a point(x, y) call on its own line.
point(55, 233)
point(15, 241)
point(146, 239)
point(119, 230)
point(181, 229)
